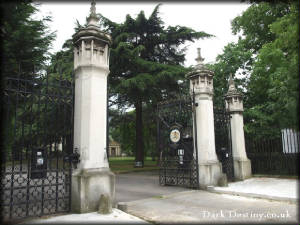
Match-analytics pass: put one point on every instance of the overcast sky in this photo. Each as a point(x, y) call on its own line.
point(213, 18)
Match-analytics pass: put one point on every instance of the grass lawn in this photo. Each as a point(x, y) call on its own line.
point(116, 164)
point(126, 164)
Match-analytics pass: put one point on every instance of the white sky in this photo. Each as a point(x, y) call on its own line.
point(213, 18)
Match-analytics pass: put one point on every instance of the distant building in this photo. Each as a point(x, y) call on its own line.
point(114, 148)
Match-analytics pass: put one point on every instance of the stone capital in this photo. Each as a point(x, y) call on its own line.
point(233, 98)
point(201, 78)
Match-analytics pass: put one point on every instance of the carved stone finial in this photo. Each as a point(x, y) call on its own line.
point(231, 83)
point(93, 8)
point(231, 87)
point(199, 59)
point(200, 69)
point(93, 18)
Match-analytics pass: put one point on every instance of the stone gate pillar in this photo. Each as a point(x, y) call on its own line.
point(234, 104)
point(201, 83)
point(91, 65)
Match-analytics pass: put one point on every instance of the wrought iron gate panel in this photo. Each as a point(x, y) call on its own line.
point(178, 162)
point(38, 134)
point(223, 141)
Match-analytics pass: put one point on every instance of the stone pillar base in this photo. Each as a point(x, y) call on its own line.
point(87, 187)
point(242, 169)
point(209, 174)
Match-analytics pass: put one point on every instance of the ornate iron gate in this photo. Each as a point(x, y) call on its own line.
point(38, 135)
point(223, 141)
point(178, 153)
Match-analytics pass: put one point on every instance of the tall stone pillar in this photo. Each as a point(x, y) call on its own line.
point(234, 104)
point(201, 83)
point(91, 64)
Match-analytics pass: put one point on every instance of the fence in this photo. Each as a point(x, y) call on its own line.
point(275, 156)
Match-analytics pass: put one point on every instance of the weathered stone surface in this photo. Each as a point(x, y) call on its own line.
point(93, 177)
point(201, 83)
point(105, 205)
point(91, 66)
point(234, 103)
point(222, 182)
point(209, 174)
point(88, 185)
point(242, 169)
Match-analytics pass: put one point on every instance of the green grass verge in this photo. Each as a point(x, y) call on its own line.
point(126, 164)
point(116, 164)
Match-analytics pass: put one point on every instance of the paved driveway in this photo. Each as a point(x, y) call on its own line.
point(203, 207)
point(148, 200)
point(141, 185)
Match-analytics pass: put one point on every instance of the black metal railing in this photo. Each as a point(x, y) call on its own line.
point(223, 141)
point(178, 161)
point(274, 156)
point(38, 133)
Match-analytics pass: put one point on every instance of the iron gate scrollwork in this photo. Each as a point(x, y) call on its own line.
point(178, 156)
point(223, 141)
point(38, 125)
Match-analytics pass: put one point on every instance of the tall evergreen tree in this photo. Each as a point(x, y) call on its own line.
point(146, 62)
point(24, 51)
point(25, 40)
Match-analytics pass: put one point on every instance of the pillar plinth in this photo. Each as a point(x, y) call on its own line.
point(92, 178)
point(234, 104)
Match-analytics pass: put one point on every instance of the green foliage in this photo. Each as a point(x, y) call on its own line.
point(146, 62)
point(62, 62)
point(122, 130)
point(25, 45)
point(26, 41)
point(124, 165)
point(275, 75)
point(253, 26)
point(235, 59)
point(265, 63)
point(144, 57)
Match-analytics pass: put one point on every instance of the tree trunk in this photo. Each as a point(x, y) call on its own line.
point(139, 142)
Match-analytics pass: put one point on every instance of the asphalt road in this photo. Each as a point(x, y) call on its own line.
point(141, 185)
point(141, 191)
